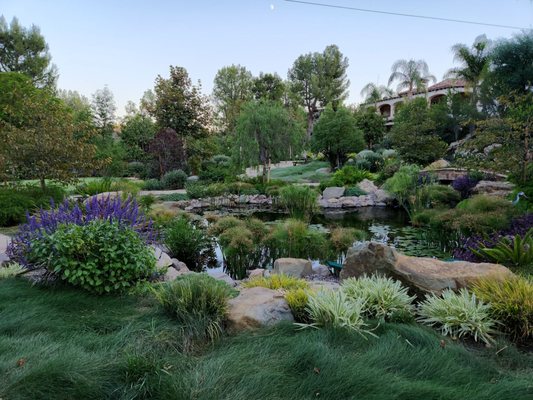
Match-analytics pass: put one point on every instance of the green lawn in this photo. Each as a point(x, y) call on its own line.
point(64, 344)
point(301, 173)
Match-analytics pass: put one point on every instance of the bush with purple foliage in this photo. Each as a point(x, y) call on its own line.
point(124, 212)
point(519, 226)
point(464, 185)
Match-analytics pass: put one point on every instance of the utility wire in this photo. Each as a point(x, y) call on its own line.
point(402, 14)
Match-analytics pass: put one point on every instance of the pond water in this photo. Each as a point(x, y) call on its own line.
point(381, 224)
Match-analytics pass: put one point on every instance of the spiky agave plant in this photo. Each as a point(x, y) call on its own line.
point(458, 315)
point(516, 251)
point(385, 298)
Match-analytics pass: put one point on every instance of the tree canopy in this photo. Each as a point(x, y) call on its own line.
point(336, 134)
point(319, 79)
point(39, 135)
point(24, 50)
point(265, 133)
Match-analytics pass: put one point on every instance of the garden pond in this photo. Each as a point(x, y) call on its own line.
point(381, 224)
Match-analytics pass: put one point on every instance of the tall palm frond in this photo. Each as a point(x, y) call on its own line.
point(411, 75)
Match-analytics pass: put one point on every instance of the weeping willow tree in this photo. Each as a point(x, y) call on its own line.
point(266, 134)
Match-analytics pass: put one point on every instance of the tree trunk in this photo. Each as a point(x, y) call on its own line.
point(310, 123)
point(43, 184)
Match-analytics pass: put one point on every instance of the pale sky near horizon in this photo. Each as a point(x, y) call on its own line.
point(126, 44)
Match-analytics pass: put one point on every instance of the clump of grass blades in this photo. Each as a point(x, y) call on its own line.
point(386, 299)
point(333, 309)
point(511, 302)
point(10, 270)
point(199, 303)
point(458, 315)
point(277, 281)
point(299, 201)
point(297, 300)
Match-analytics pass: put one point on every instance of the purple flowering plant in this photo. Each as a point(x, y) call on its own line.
point(519, 226)
point(464, 185)
point(45, 222)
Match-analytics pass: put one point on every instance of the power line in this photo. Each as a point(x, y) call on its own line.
point(403, 15)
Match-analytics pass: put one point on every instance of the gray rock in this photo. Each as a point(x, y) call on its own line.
point(321, 270)
point(423, 275)
point(324, 285)
point(171, 274)
point(163, 259)
point(297, 267)
point(4, 242)
point(257, 307)
point(367, 185)
point(381, 196)
point(193, 178)
point(254, 273)
point(333, 192)
point(221, 276)
point(489, 149)
point(325, 170)
point(492, 188)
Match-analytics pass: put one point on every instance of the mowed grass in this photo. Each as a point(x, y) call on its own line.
point(64, 344)
point(301, 173)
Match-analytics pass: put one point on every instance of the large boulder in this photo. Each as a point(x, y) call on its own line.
point(4, 242)
point(333, 192)
point(257, 307)
point(163, 259)
point(367, 185)
point(222, 276)
point(493, 188)
point(297, 267)
point(422, 274)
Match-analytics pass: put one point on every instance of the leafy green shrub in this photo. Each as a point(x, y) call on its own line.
point(369, 161)
point(277, 281)
point(153, 184)
point(94, 187)
point(403, 185)
point(294, 238)
point(13, 207)
point(385, 298)
point(174, 179)
point(483, 203)
point(15, 201)
point(146, 202)
point(174, 197)
point(199, 303)
point(299, 201)
point(458, 315)
point(10, 270)
point(196, 190)
point(354, 191)
point(297, 300)
point(100, 257)
point(516, 252)
point(216, 169)
point(511, 302)
point(126, 186)
point(332, 309)
point(349, 175)
point(438, 196)
point(137, 169)
point(187, 242)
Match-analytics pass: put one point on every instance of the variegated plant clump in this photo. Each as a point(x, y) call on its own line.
point(458, 315)
point(385, 298)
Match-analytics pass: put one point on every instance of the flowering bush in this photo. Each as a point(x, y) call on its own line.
point(464, 185)
point(519, 226)
point(45, 222)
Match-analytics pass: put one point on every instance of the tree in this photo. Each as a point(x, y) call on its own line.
point(452, 116)
point(136, 134)
point(78, 104)
point(474, 62)
point(336, 134)
point(103, 107)
point(265, 133)
point(268, 87)
point(512, 69)
point(232, 88)
point(411, 75)
point(39, 135)
point(319, 79)
point(179, 105)
point(368, 121)
point(413, 134)
point(168, 151)
point(25, 50)
point(374, 93)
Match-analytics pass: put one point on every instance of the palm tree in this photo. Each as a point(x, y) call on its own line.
point(374, 93)
point(474, 64)
point(411, 75)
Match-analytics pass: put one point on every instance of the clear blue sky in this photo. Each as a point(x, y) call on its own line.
point(126, 44)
